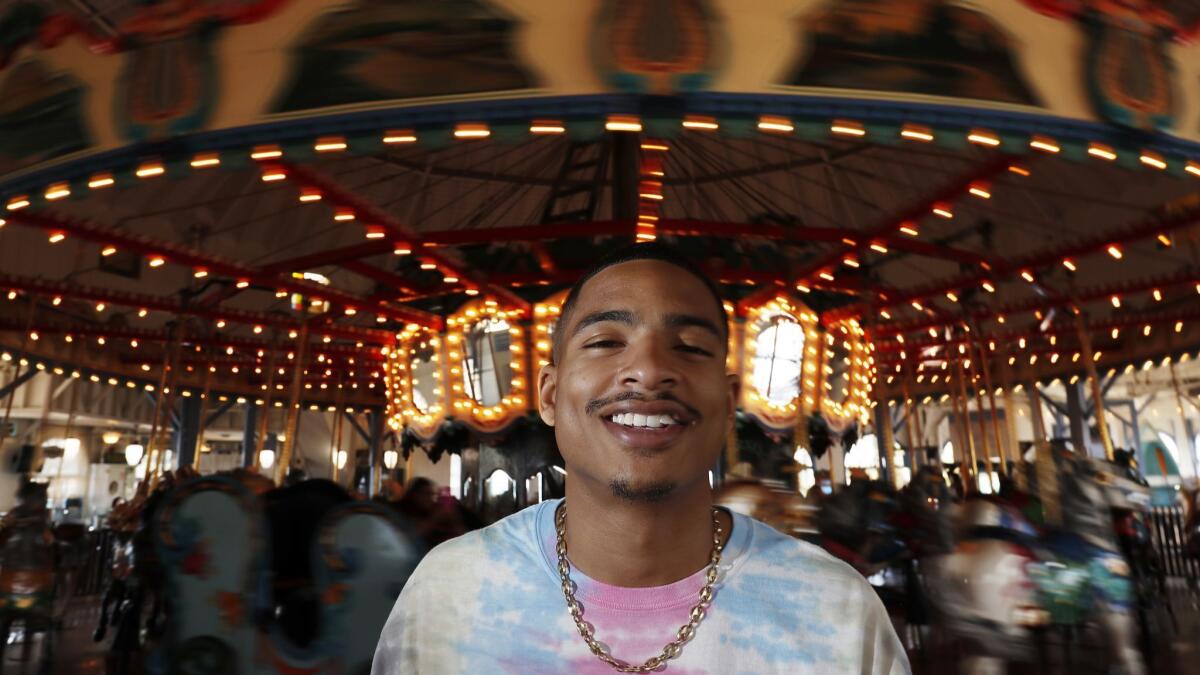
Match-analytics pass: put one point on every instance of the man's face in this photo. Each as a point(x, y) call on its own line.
point(639, 399)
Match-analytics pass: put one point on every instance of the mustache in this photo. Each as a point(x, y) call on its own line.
point(595, 405)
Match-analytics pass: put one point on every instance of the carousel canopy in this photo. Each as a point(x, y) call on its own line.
point(242, 206)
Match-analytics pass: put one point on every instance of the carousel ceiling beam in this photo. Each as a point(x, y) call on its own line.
point(16, 383)
point(477, 174)
point(144, 335)
point(908, 244)
point(618, 228)
point(399, 233)
point(366, 366)
point(120, 376)
point(183, 255)
point(46, 287)
point(1068, 343)
point(1167, 218)
point(394, 281)
point(886, 227)
point(1182, 277)
point(335, 256)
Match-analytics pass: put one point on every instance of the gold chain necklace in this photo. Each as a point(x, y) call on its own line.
point(586, 630)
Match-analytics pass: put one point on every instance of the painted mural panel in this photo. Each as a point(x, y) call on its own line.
point(40, 116)
point(1130, 78)
point(380, 50)
point(914, 46)
point(657, 46)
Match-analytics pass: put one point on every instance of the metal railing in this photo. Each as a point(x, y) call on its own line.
point(97, 566)
point(1167, 527)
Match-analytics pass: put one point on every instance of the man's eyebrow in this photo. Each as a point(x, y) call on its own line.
point(691, 320)
point(616, 315)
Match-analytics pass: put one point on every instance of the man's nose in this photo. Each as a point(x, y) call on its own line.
point(649, 364)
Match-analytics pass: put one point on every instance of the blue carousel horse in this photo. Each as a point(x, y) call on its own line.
point(216, 543)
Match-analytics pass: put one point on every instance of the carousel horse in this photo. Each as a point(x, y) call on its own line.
point(28, 565)
point(291, 513)
point(137, 574)
point(1005, 577)
point(221, 556)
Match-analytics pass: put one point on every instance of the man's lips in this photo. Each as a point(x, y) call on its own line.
point(644, 438)
point(647, 425)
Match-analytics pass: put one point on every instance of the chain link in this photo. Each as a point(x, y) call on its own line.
point(686, 632)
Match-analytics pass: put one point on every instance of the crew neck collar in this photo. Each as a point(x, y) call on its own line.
point(677, 593)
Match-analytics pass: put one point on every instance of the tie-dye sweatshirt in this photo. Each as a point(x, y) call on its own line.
point(491, 602)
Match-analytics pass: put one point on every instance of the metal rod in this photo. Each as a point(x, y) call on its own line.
point(986, 368)
point(203, 419)
point(1035, 412)
point(1094, 381)
point(966, 426)
point(338, 424)
point(983, 434)
point(909, 432)
point(159, 399)
point(293, 411)
point(264, 421)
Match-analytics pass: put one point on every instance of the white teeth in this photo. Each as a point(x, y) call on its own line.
point(643, 421)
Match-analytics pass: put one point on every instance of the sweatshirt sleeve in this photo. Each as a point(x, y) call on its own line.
point(882, 653)
point(397, 649)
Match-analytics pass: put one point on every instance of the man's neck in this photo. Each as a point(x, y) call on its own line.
point(632, 544)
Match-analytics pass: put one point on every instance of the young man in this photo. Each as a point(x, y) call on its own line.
point(636, 568)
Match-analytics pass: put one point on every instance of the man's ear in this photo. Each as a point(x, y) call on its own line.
point(735, 390)
point(548, 390)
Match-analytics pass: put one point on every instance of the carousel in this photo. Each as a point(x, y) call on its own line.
point(247, 247)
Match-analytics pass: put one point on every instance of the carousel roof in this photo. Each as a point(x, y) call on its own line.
point(908, 235)
point(974, 212)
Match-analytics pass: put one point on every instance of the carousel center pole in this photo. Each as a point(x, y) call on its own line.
point(1089, 362)
point(293, 410)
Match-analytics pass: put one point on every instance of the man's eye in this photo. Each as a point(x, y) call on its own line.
point(602, 344)
point(692, 349)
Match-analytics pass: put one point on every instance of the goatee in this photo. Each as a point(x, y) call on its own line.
point(645, 494)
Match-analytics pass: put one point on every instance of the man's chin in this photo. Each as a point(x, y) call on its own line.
point(642, 492)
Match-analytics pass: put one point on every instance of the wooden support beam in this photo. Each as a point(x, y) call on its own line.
point(887, 226)
point(215, 265)
point(398, 233)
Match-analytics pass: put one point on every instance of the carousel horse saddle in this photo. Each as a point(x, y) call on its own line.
point(216, 544)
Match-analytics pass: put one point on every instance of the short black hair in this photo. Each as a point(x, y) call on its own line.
point(646, 251)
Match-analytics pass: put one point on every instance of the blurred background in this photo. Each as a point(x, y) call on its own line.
point(276, 278)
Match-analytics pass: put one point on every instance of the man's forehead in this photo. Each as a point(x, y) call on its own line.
point(632, 278)
point(648, 290)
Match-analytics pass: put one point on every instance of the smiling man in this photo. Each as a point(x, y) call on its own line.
point(636, 570)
